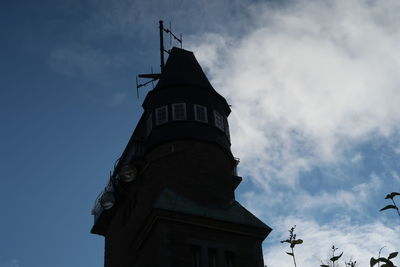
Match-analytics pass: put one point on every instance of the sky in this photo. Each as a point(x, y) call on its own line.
point(314, 88)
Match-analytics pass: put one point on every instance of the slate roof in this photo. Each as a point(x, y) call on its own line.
point(235, 213)
point(182, 68)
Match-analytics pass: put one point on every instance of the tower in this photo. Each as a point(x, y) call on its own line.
point(170, 201)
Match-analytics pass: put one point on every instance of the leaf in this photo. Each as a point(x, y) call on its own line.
point(323, 265)
point(388, 207)
point(298, 241)
point(289, 253)
point(388, 264)
point(392, 255)
point(287, 241)
point(392, 195)
point(382, 259)
point(372, 262)
point(336, 257)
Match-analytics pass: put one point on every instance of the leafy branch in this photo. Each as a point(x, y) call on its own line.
point(391, 196)
point(351, 263)
point(293, 242)
point(334, 258)
point(387, 261)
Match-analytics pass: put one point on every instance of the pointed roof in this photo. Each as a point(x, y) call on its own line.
point(182, 68)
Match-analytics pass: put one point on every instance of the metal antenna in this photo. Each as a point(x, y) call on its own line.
point(161, 46)
point(155, 76)
point(171, 35)
point(152, 76)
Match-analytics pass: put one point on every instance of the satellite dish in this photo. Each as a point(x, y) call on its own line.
point(128, 173)
point(107, 200)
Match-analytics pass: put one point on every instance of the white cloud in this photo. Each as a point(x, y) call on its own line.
point(308, 83)
point(349, 200)
point(358, 242)
point(320, 204)
point(395, 175)
point(356, 158)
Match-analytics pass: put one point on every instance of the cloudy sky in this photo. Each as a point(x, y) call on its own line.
point(315, 94)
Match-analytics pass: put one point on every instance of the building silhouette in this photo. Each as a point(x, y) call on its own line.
point(170, 201)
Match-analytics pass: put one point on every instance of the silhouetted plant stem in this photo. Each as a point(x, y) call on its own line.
point(333, 255)
point(293, 242)
point(334, 258)
point(379, 254)
point(294, 258)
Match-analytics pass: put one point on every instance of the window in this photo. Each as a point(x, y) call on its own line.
point(212, 257)
point(196, 256)
point(179, 111)
point(200, 113)
point(234, 171)
point(161, 115)
point(226, 128)
point(218, 120)
point(149, 124)
point(229, 257)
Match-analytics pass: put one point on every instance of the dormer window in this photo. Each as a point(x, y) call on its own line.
point(219, 120)
point(179, 111)
point(200, 113)
point(161, 115)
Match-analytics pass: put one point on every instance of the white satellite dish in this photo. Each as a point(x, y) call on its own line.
point(128, 173)
point(107, 200)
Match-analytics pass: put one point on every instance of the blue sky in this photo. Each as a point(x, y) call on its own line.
point(314, 88)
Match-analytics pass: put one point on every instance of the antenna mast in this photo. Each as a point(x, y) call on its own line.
point(156, 76)
point(162, 49)
point(161, 46)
